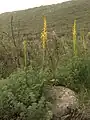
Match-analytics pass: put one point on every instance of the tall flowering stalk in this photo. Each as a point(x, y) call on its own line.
point(25, 60)
point(74, 39)
point(44, 33)
point(25, 53)
point(44, 37)
point(84, 41)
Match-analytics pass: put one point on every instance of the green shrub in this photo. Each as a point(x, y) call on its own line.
point(75, 74)
point(79, 73)
point(18, 101)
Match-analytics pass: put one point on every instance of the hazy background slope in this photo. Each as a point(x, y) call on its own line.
point(59, 17)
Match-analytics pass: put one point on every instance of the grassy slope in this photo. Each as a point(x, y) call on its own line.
point(60, 17)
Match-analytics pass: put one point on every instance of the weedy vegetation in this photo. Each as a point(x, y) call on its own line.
point(27, 65)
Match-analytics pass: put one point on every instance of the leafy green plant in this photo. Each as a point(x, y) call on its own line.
point(75, 74)
point(17, 101)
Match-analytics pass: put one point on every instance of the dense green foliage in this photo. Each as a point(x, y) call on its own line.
point(75, 74)
point(22, 97)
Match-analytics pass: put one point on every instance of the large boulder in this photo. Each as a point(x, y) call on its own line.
point(63, 101)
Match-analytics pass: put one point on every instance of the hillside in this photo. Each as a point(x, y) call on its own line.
point(27, 25)
point(59, 17)
point(47, 78)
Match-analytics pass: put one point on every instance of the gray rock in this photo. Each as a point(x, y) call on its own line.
point(63, 101)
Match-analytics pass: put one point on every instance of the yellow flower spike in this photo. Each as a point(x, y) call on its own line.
point(44, 38)
point(45, 27)
point(74, 38)
point(44, 34)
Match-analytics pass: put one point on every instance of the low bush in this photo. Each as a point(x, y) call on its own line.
point(22, 97)
point(75, 74)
